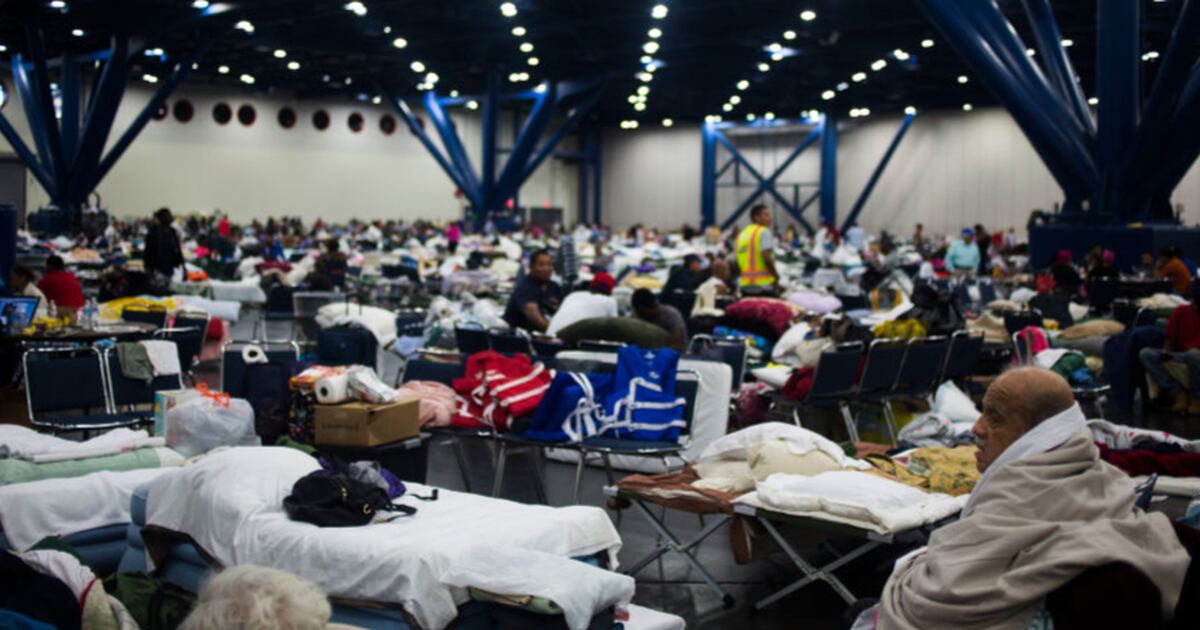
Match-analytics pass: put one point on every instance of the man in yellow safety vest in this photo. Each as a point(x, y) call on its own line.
point(756, 255)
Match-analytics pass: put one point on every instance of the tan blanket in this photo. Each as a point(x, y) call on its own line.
point(1037, 523)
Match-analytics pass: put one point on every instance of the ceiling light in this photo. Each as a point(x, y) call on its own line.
point(828, 95)
point(356, 7)
point(764, 67)
point(526, 47)
point(864, 111)
point(769, 115)
point(667, 122)
point(432, 77)
point(247, 79)
point(646, 59)
point(777, 56)
point(633, 98)
point(926, 43)
point(424, 87)
point(643, 90)
point(854, 112)
point(223, 69)
point(508, 9)
point(650, 47)
point(1153, 54)
point(789, 34)
point(375, 100)
point(743, 84)
point(639, 106)
point(533, 61)
point(727, 107)
point(750, 117)
point(967, 107)
point(348, 81)
point(387, 30)
point(841, 87)
point(659, 11)
point(453, 93)
point(78, 32)
point(293, 65)
point(519, 31)
point(645, 77)
point(280, 53)
point(900, 55)
point(400, 42)
point(1093, 101)
point(58, 4)
point(858, 77)
point(472, 105)
point(149, 78)
point(651, 67)
point(962, 78)
point(244, 25)
point(200, 4)
point(808, 15)
point(417, 66)
point(654, 33)
point(3, 48)
point(1067, 43)
point(878, 65)
point(1029, 52)
point(153, 52)
point(910, 110)
point(774, 47)
point(735, 99)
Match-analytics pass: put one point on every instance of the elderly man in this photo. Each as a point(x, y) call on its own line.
point(1045, 510)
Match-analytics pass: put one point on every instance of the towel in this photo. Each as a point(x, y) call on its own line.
point(21, 443)
point(135, 362)
point(163, 356)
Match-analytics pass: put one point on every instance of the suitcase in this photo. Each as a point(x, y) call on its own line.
point(346, 345)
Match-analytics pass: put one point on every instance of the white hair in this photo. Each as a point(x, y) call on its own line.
point(258, 598)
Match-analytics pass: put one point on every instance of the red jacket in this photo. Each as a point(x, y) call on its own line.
point(62, 288)
point(497, 388)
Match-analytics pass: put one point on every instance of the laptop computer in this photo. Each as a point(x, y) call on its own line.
point(17, 311)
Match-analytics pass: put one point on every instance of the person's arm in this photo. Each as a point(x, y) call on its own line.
point(768, 257)
point(1171, 331)
point(533, 314)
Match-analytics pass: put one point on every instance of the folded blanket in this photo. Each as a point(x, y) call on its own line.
point(20, 471)
point(24, 443)
point(163, 356)
point(437, 401)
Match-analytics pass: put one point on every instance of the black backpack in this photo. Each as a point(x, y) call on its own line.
point(332, 500)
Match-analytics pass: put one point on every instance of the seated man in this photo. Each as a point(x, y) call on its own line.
point(1045, 510)
point(536, 297)
point(687, 277)
point(61, 287)
point(665, 316)
point(1183, 345)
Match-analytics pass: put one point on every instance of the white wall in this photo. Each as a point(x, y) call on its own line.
point(952, 169)
point(266, 170)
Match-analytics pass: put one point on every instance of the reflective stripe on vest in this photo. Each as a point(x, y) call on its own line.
point(750, 258)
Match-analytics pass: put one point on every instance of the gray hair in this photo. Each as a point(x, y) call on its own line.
point(258, 598)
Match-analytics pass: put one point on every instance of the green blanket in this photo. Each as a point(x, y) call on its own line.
point(19, 470)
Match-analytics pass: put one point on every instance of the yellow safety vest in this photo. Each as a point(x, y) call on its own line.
point(754, 272)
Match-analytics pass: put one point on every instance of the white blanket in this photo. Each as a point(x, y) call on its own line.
point(22, 443)
point(32, 511)
point(231, 504)
point(163, 355)
point(246, 291)
point(224, 309)
point(854, 498)
point(380, 321)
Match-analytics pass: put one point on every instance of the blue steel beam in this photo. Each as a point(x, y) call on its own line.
point(1056, 62)
point(23, 152)
point(829, 141)
point(784, 203)
point(454, 149)
point(169, 85)
point(45, 103)
point(539, 118)
point(71, 98)
point(415, 128)
point(1118, 82)
point(106, 96)
point(724, 167)
point(597, 171)
point(1044, 134)
point(871, 183)
point(578, 114)
point(1183, 149)
point(808, 202)
point(34, 117)
point(491, 113)
point(772, 180)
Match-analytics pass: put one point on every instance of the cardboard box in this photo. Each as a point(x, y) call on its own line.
point(366, 424)
point(164, 401)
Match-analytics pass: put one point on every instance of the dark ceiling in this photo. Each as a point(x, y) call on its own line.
point(706, 48)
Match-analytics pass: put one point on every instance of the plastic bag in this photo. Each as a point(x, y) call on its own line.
point(951, 402)
point(365, 385)
point(203, 421)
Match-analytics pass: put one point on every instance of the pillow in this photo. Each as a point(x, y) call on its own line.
point(628, 330)
point(777, 456)
point(1093, 328)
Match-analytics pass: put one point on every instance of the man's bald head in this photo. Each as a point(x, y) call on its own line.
point(1019, 400)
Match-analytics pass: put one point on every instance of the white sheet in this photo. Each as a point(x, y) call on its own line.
point(854, 498)
point(231, 504)
point(246, 291)
point(380, 321)
point(32, 511)
point(223, 309)
point(23, 443)
point(710, 423)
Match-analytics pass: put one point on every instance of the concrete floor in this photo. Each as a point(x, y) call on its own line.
point(670, 584)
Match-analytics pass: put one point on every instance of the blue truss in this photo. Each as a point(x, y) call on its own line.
point(492, 188)
point(70, 161)
point(1124, 163)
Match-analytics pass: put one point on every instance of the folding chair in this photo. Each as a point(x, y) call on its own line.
point(987, 292)
point(410, 322)
point(233, 365)
point(445, 373)
point(131, 393)
point(599, 345)
point(885, 357)
point(188, 344)
point(857, 302)
point(510, 341)
point(729, 350)
point(1095, 393)
point(145, 314)
point(70, 379)
point(833, 385)
point(546, 347)
point(682, 300)
point(192, 319)
point(922, 366)
point(306, 304)
point(962, 357)
point(963, 293)
point(279, 308)
point(471, 340)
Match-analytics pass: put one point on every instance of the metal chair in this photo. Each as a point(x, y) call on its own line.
point(445, 373)
point(834, 380)
point(279, 308)
point(70, 380)
point(510, 341)
point(962, 357)
point(233, 365)
point(729, 350)
point(130, 393)
point(922, 366)
point(306, 304)
point(547, 347)
point(192, 319)
point(987, 292)
point(188, 344)
point(471, 340)
point(885, 357)
point(156, 315)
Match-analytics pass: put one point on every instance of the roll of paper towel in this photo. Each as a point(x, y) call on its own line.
point(334, 390)
point(252, 354)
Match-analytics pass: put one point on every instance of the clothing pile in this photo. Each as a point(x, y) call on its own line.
point(766, 317)
point(498, 389)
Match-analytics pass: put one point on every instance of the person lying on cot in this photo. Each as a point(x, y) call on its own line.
point(1045, 511)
